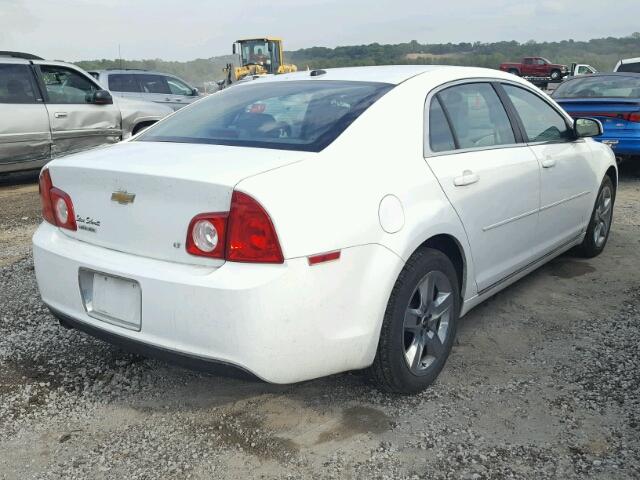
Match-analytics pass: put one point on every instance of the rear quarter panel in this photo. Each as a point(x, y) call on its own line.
point(331, 201)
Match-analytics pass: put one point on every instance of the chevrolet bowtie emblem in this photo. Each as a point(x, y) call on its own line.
point(123, 197)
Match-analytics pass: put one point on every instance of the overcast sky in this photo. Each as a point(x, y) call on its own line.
point(184, 30)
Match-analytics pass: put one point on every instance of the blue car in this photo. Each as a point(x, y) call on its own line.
point(612, 98)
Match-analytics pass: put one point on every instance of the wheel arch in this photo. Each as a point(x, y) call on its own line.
point(612, 173)
point(453, 249)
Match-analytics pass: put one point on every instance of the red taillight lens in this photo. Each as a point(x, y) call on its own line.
point(44, 187)
point(634, 117)
point(206, 235)
point(57, 207)
point(251, 236)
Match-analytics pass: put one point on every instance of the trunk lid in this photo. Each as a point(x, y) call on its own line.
point(612, 112)
point(139, 197)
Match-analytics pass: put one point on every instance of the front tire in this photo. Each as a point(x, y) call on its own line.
point(600, 224)
point(419, 325)
point(514, 71)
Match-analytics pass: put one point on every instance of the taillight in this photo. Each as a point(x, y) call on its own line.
point(629, 117)
point(251, 236)
point(634, 117)
point(44, 187)
point(245, 234)
point(57, 207)
point(206, 235)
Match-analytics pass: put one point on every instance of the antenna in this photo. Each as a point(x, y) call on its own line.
point(120, 56)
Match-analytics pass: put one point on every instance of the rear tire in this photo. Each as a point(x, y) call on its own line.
point(600, 223)
point(419, 324)
point(556, 75)
point(514, 71)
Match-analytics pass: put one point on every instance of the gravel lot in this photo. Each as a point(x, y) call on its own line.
point(542, 383)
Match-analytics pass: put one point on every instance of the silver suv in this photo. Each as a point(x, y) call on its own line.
point(146, 85)
point(50, 109)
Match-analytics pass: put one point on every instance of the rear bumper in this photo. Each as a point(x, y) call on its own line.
point(283, 323)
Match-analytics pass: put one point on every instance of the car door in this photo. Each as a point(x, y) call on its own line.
point(25, 137)
point(181, 93)
point(77, 123)
point(566, 180)
point(156, 89)
point(125, 85)
point(490, 177)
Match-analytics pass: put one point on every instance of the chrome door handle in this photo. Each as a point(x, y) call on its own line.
point(549, 163)
point(467, 178)
point(60, 114)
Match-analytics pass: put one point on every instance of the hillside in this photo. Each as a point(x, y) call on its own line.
point(602, 53)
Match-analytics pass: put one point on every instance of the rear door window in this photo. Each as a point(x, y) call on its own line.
point(476, 115)
point(440, 136)
point(16, 84)
point(124, 82)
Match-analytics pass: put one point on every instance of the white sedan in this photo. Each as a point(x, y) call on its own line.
point(317, 222)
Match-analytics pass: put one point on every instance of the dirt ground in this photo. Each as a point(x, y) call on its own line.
point(543, 382)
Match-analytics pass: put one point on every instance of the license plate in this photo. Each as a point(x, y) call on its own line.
point(112, 299)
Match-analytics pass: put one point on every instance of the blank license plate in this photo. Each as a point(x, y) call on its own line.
point(112, 299)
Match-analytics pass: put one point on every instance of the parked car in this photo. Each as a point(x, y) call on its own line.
point(612, 98)
point(580, 69)
point(155, 87)
point(536, 67)
point(628, 65)
point(49, 109)
point(357, 214)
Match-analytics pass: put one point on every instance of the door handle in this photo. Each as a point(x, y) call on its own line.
point(549, 162)
point(60, 114)
point(467, 178)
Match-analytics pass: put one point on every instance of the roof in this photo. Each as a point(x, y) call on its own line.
point(624, 61)
point(393, 74)
point(25, 56)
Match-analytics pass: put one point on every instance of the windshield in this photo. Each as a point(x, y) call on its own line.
point(290, 115)
point(603, 86)
point(256, 52)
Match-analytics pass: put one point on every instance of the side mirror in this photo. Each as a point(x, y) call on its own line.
point(102, 97)
point(234, 48)
point(587, 127)
point(195, 92)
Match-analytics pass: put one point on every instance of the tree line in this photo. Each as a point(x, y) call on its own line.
point(602, 53)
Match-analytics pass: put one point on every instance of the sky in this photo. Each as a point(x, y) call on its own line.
point(175, 30)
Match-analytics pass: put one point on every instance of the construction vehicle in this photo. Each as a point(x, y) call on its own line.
point(257, 57)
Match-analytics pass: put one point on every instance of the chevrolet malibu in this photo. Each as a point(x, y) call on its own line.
point(317, 222)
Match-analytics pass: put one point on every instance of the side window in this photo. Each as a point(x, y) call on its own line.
point(477, 116)
point(178, 88)
point(528, 61)
point(66, 86)
point(541, 122)
point(123, 82)
point(154, 84)
point(16, 85)
point(440, 136)
point(539, 61)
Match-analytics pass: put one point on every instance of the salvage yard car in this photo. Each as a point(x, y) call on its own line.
point(49, 109)
point(318, 222)
point(157, 87)
point(612, 98)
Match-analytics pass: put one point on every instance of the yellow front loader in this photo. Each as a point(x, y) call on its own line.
point(258, 56)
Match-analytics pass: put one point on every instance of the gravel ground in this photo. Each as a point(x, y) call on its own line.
point(543, 383)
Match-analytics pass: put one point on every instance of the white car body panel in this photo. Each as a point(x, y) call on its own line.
point(294, 321)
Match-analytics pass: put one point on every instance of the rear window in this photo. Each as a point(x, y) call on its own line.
point(290, 115)
point(629, 67)
point(602, 86)
point(123, 82)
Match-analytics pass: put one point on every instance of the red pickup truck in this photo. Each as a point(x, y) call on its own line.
point(536, 67)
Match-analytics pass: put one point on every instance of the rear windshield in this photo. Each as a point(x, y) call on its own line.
point(602, 86)
point(629, 67)
point(290, 115)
